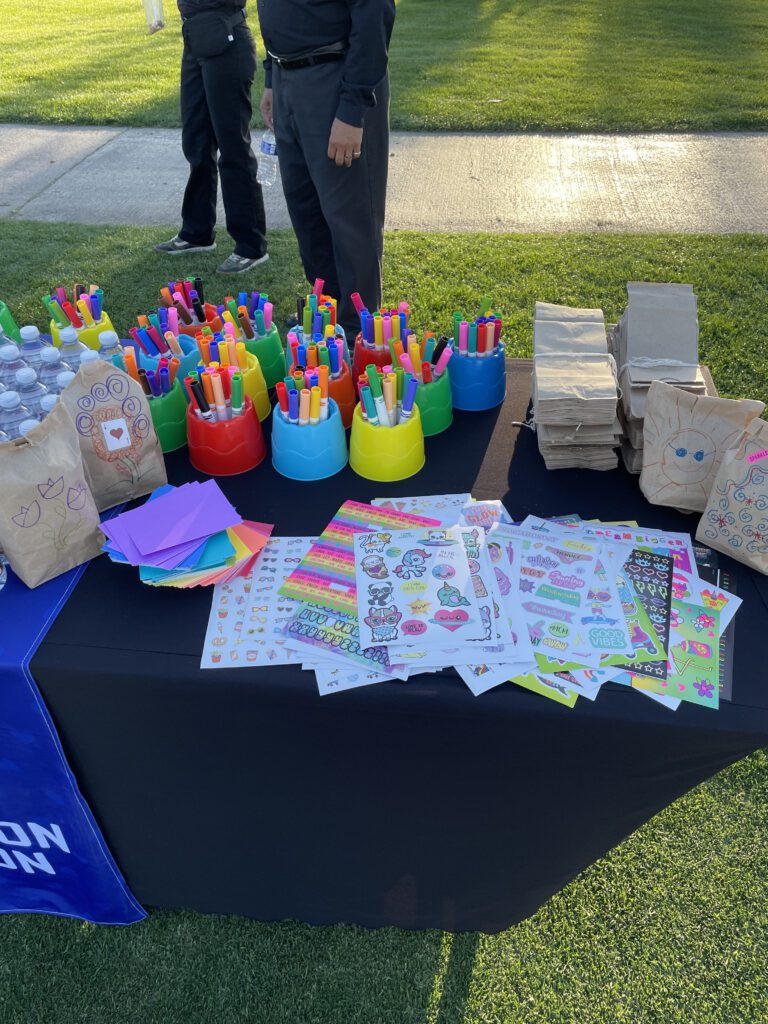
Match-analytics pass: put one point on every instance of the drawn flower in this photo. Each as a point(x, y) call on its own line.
point(28, 516)
point(51, 489)
point(704, 689)
point(76, 496)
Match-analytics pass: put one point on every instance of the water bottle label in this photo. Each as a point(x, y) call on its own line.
point(268, 148)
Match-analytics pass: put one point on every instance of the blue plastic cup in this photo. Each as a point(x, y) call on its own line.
point(478, 382)
point(311, 452)
point(188, 362)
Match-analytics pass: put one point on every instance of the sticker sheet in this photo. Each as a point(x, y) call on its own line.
point(694, 666)
point(333, 635)
point(444, 507)
point(678, 545)
point(222, 645)
point(646, 581)
point(326, 575)
point(334, 680)
point(485, 514)
point(555, 691)
point(415, 587)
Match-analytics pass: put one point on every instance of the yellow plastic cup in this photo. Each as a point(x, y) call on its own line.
point(88, 335)
point(386, 454)
point(255, 387)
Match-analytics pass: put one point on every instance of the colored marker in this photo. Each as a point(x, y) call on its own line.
point(408, 399)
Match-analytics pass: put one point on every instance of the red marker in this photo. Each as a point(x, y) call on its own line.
point(357, 302)
point(69, 309)
point(318, 288)
point(426, 373)
point(282, 398)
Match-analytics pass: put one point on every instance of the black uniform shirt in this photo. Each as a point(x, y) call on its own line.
point(188, 8)
point(291, 27)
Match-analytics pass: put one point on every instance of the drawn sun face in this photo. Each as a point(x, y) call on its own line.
point(687, 457)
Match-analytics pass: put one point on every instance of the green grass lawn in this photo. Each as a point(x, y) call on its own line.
point(670, 928)
point(488, 64)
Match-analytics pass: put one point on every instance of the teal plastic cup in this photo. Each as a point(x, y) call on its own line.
point(310, 452)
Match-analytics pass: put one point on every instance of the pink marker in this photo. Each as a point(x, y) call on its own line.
point(407, 365)
point(386, 328)
point(439, 367)
point(318, 287)
point(173, 320)
point(268, 315)
point(178, 297)
point(463, 337)
point(357, 302)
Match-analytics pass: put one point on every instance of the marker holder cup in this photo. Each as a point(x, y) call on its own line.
point(342, 391)
point(226, 448)
point(190, 330)
point(88, 335)
point(435, 405)
point(169, 416)
point(478, 382)
point(310, 452)
point(255, 387)
point(386, 454)
point(269, 351)
point(364, 356)
point(187, 363)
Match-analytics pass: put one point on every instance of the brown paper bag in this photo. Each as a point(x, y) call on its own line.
point(120, 448)
point(735, 520)
point(684, 439)
point(48, 518)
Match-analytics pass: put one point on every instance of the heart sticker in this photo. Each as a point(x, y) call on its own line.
point(451, 619)
point(116, 432)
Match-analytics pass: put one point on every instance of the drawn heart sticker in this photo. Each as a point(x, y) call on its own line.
point(681, 687)
point(28, 516)
point(450, 619)
point(116, 432)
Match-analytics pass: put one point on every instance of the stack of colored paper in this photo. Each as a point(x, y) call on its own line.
point(188, 536)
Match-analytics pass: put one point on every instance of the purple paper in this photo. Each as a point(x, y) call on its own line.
point(171, 523)
point(160, 559)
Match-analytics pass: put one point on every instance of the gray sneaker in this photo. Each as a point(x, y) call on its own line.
point(235, 264)
point(177, 247)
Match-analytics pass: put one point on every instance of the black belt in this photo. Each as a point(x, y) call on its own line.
point(294, 63)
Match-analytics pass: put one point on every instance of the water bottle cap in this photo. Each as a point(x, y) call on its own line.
point(50, 354)
point(26, 376)
point(9, 353)
point(26, 425)
point(67, 335)
point(109, 339)
point(9, 400)
point(64, 379)
point(29, 333)
point(89, 357)
point(47, 402)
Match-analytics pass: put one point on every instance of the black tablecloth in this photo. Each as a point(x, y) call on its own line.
point(412, 804)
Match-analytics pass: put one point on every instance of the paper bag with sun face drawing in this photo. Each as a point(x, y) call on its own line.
point(685, 437)
point(48, 518)
point(735, 520)
point(120, 448)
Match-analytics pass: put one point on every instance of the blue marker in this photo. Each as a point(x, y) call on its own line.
point(165, 380)
point(333, 353)
point(408, 399)
point(144, 335)
point(317, 323)
point(293, 406)
point(213, 348)
point(258, 321)
point(302, 354)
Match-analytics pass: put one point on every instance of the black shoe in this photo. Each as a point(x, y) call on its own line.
point(235, 264)
point(178, 247)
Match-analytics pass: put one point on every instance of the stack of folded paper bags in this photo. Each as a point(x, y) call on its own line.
point(186, 536)
point(574, 389)
point(657, 338)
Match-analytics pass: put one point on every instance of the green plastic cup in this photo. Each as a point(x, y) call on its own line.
point(435, 405)
point(169, 416)
point(269, 351)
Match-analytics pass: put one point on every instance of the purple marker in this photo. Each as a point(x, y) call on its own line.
point(408, 399)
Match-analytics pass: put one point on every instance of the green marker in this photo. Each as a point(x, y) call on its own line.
point(307, 325)
point(237, 394)
point(57, 313)
point(378, 398)
point(472, 343)
point(232, 307)
point(154, 319)
point(456, 322)
point(258, 319)
point(325, 356)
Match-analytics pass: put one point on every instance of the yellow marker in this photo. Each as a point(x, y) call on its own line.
point(85, 313)
point(242, 355)
point(223, 354)
point(314, 405)
point(414, 353)
point(330, 331)
point(378, 336)
point(227, 317)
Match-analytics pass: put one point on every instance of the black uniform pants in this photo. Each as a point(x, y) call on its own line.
point(216, 117)
point(336, 212)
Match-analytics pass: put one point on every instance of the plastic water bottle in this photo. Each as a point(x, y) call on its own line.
point(47, 403)
point(89, 356)
point(267, 172)
point(26, 426)
point(4, 439)
point(50, 368)
point(109, 345)
point(12, 413)
point(64, 379)
point(30, 390)
point(32, 347)
point(10, 362)
point(71, 347)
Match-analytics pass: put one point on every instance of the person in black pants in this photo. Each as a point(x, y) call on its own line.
point(327, 98)
point(218, 67)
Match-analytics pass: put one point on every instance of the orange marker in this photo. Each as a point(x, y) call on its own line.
point(173, 368)
point(142, 321)
point(207, 388)
point(129, 358)
point(166, 297)
point(232, 351)
point(312, 357)
point(399, 350)
point(205, 348)
point(173, 343)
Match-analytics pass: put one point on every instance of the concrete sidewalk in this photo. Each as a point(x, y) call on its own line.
point(438, 182)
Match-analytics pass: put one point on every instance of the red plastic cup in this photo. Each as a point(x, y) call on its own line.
point(226, 448)
point(342, 391)
point(364, 356)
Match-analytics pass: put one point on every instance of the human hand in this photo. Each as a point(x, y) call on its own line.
point(266, 108)
point(345, 143)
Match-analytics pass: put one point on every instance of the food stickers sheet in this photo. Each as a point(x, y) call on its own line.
point(326, 575)
point(414, 587)
point(444, 507)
